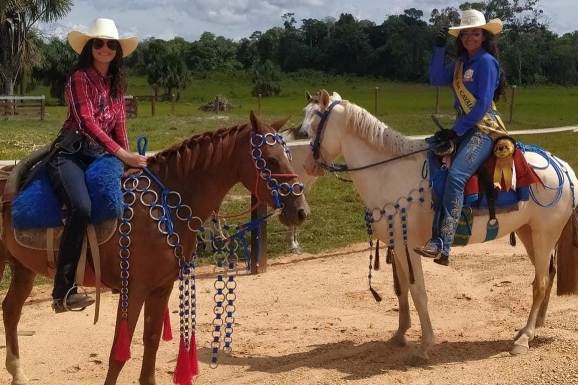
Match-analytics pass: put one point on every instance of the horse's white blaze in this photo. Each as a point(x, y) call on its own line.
point(361, 139)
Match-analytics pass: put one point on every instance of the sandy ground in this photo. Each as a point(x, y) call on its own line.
point(311, 320)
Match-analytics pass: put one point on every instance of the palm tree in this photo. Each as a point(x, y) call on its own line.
point(18, 50)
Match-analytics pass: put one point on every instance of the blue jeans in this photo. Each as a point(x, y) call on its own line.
point(473, 150)
point(66, 173)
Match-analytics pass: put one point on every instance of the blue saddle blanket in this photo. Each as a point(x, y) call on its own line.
point(37, 206)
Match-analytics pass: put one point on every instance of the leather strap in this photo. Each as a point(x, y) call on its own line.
point(94, 252)
point(50, 248)
point(81, 267)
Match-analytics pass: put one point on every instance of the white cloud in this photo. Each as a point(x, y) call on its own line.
point(239, 18)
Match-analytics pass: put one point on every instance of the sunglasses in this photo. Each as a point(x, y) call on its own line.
point(99, 43)
point(470, 33)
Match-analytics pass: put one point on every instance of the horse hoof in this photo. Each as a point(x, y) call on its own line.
point(295, 250)
point(399, 340)
point(419, 358)
point(20, 381)
point(519, 350)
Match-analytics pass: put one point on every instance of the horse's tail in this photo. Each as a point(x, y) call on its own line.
point(567, 252)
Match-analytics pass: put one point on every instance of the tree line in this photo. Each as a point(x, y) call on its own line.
point(397, 49)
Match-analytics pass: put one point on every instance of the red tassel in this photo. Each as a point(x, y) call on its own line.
point(167, 332)
point(122, 343)
point(183, 375)
point(193, 356)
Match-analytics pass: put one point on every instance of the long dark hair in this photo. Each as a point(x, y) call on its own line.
point(116, 69)
point(490, 44)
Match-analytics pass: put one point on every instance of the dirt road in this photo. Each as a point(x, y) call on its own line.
point(311, 320)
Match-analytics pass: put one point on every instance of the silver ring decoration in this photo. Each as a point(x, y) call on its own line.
point(226, 259)
point(215, 238)
point(277, 189)
point(388, 212)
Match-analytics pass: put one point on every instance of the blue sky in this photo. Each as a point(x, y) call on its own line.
point(239, 18)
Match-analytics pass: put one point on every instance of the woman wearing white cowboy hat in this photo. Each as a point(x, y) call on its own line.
point(95, 125)
point(477, 82)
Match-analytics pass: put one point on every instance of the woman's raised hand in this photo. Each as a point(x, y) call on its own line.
point(441, 35)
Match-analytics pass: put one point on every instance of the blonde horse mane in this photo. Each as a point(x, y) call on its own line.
point(377, 133)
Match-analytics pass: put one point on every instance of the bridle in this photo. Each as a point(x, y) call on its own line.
point(316, 146)
point(277, 189)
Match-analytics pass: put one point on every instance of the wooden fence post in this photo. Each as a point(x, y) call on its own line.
point(13, 105)
point(512, 104)
point(42, 107)
point(258, 238)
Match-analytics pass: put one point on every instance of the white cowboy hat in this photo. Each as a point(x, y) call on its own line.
point(103, 29)
point(472, 18)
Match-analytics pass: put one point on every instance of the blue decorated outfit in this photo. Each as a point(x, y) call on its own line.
point(480, 75)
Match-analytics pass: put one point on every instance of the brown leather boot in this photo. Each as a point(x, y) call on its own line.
point(443, 259)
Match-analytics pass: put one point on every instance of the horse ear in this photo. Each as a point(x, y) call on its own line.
point(255, 123)
point(278, 124)
point(324, 98)
point(308, 96)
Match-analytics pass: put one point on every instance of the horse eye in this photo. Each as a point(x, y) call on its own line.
point(273, 162)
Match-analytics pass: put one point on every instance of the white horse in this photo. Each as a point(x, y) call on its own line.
point(351, 131)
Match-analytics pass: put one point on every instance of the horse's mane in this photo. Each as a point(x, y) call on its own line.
point(377, 133)
point(197, 152)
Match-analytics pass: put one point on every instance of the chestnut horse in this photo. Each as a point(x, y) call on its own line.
point(202, 169)
point(389, 178)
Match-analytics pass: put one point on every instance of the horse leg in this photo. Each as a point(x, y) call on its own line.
point(294, 247)
point(419, 297)
point(542, 250)
point(136, 298)
point(3, 260)
point(404, 320)
point(525, 235)
point(20, 288)
point(544, 307)
point(155, 305)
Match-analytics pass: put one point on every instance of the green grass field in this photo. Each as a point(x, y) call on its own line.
point(337, 216)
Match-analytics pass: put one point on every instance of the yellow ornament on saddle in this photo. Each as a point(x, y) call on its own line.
point(504, 169)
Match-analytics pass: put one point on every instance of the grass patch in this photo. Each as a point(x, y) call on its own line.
point(337, 216)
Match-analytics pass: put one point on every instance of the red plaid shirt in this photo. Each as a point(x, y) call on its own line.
point(92, 110)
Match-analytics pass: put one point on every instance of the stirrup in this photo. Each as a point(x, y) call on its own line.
point(430, 250)
point(72, 302)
